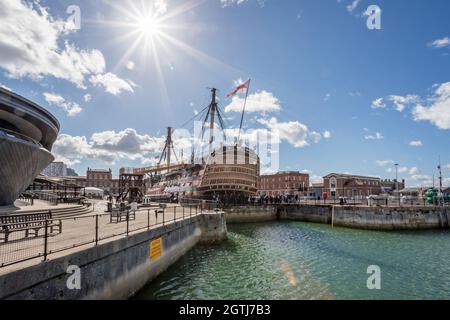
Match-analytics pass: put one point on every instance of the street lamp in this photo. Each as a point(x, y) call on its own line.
point(396, 182)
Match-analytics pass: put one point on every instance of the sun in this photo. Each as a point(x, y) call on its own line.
point(149, 26)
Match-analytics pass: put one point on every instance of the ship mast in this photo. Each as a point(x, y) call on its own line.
point(168, 148)
point(213, 109)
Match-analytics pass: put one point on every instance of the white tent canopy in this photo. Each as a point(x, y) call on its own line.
point(94, 191)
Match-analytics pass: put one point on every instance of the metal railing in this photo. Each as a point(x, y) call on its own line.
point(82, 231)
point(204, 204)
point(353, 201)
point(48, 196)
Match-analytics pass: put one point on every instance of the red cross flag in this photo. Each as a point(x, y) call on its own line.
point(241, 87)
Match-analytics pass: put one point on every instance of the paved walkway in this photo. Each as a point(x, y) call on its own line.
point(78, 233)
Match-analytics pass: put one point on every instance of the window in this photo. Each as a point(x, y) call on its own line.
point(333, 183)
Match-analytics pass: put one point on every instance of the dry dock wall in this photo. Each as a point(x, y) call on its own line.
point(250, 214)
point(392, 218)
point(370, 218)
point(114, 270)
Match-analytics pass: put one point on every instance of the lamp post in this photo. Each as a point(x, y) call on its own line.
point(396, 182)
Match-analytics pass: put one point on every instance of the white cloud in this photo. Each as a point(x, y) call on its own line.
point(327, 135)
point(375, 136)
point(416, 143)
point(383, 163)
point(414, 171)
point(261, 101)
point(315, 136)
point(112, 83)
point(422, 178)
point(87, 98)
point(294, 132)
point(71, 108)
point(400, 102)
point(438, 109)
point(108, 147)
point(400, 170)
point(226, 3)
point(440, 43)
point(378, 104)
point(32, 45)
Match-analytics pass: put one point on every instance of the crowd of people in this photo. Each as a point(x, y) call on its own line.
point(280, 199)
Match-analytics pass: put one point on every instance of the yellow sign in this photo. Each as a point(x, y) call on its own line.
point(156, 248)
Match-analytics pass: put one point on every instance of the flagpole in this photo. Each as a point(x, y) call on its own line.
point(243, 110)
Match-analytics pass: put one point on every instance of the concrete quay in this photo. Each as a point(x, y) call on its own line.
point(358, 217)
point(118, 266)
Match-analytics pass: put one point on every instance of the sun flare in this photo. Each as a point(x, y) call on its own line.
point(149, 26)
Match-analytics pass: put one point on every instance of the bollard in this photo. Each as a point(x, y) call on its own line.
point(128, 222)
point(46, 240)
point(96, 229)
point(148, 219)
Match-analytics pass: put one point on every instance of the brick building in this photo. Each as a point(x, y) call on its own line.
point(284, 183)
point(344, 185)
point(99, 178)
point(390, 186)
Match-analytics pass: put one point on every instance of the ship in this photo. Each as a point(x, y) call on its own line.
point(227, 173)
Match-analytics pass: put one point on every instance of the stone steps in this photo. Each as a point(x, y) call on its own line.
point(58, 212)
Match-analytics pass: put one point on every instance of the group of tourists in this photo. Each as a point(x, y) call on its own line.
point(280, 199)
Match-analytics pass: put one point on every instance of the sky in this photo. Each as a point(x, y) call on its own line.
point(341, 96)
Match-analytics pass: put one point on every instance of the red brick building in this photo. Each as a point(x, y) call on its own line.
point(99, 178)
point(344, 185)
point(284, 184)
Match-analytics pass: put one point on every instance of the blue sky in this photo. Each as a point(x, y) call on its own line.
point(346, 98)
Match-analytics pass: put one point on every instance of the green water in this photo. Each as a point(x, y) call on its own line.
point(291, 260)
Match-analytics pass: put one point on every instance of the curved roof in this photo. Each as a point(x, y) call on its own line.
point(25, 117)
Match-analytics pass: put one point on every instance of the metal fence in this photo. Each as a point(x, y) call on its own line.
point(40, 239)
point(354, 201)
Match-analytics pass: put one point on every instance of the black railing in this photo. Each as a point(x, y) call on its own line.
point(89, 230)
point(204, 204)
point(48, 196)
point(352, 201)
